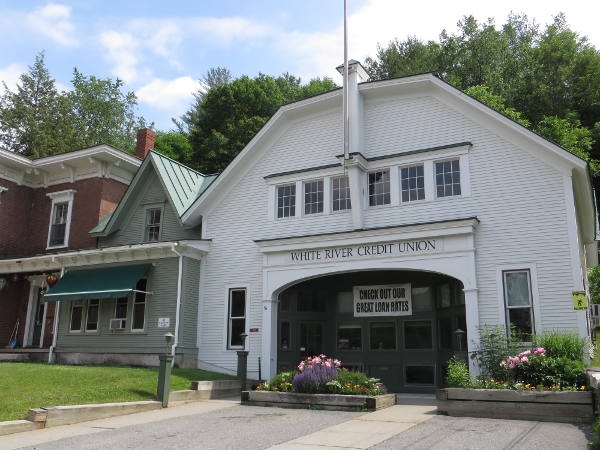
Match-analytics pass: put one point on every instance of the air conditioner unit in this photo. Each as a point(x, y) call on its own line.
point(117, 324)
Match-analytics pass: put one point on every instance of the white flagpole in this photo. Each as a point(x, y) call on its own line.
point(345, 88)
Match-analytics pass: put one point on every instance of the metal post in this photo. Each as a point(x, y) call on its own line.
point(242, 366)
point(164, 379)
point(164, 374)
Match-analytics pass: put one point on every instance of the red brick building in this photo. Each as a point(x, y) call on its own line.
point(49, 205)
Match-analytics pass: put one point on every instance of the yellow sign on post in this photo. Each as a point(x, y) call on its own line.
point(579, 300)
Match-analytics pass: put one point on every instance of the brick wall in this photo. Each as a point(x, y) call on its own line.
point(25, 224)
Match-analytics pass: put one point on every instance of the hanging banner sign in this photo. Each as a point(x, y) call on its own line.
point(382, 300)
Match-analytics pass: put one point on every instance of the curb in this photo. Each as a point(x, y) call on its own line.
point(53, 416)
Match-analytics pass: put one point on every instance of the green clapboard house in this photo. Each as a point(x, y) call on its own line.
point(116, 302)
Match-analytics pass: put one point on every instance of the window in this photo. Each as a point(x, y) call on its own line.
point(91, 323)
point(420, 375)
point(286, 200)
point(313, 197)
point(447, 178)
point(517, 298)
point(152, 233)
point(418, 334)
point(382, 335)
point(237, 317)
point(121, 308)
point(60, 218)
point(413, 183)
point(379, 188)
point(284, 336)
point(84, 316)
point(340, 193)
point(349, 337)
point(76, 316)
point(139, 306)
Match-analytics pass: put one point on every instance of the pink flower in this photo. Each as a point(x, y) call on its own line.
point(524, 359)
point(502, 364)
point(512, 365)
point(525, 353)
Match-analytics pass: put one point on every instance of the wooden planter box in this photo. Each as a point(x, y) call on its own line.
point(333, 402)
point(547, 406)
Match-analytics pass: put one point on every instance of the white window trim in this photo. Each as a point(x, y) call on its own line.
point(366, 190)
point(426, 185)
point(329, 204)
point(303, 200)
point(2, 189)
point(61, 197)
point(87, 306)
point(228, 289)
point(298, 202)
point(133, 296)
point(160, 226)
point(535, 297)
point(81, 329)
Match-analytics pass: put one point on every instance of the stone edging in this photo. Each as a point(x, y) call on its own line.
point(52, 416)
point(334, 402)
point(548, 406)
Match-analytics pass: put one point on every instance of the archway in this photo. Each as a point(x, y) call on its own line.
point(406, 349)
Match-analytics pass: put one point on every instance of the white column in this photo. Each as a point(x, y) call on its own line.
point(472, 316)
point(355, 180)
point(269, 338)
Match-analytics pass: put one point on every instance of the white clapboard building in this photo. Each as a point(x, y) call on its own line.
point(445, 217)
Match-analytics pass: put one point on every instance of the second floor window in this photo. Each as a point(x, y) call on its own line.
point(447, 178)
point(58, 226)
point(340, 193)
point(286, 200)
point(379, 188)
point(413, 183)
point(153, 217)
point(61, 212)
point(313, 197)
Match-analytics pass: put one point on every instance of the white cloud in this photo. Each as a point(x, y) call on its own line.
point(122, 51)
point(168, 95)
point(10, 75)
point(54, 21)
point(225, 31)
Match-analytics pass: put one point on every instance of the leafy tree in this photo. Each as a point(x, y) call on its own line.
point(483, 94)
point(35, 120)
point(227, 116)
point(594, 280)
point(175, 145)
point(103, 113)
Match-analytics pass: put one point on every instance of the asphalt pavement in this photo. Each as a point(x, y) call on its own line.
point(225, 424)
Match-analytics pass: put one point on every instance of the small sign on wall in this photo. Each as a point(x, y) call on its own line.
point(579, 300)
point(164, 322)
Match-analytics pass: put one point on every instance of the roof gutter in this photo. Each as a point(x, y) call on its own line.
point(178, 302)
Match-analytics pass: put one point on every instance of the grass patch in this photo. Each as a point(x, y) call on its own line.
point(33, 385)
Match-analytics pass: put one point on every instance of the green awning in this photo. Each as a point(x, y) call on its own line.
point(105, 282)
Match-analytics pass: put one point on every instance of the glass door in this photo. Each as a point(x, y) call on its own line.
point(311, 339)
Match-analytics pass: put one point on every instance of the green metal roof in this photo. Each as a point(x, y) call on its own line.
point(100, 283)
point(183, 185)
point(101, 223)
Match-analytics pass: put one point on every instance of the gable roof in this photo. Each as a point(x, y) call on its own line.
point(181, 184)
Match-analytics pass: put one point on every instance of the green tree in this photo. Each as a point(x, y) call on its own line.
point(227, 116)
point(36, 119)
point(103, 113)
point(594, 280)
point(483, 94)
point(175, 145)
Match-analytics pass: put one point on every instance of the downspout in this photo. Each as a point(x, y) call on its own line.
point(55, 326)
point(178, 306)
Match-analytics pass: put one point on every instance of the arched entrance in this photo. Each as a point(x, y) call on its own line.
point(406, 349)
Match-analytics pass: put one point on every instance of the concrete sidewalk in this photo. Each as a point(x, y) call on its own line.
point(369, 429)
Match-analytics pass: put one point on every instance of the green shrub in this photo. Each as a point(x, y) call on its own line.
point(494, 346)
point(282, 382)
point(458, 373)
point(355, 383)
point(561, 344)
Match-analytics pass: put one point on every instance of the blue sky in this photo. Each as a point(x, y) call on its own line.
point(161, 49)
